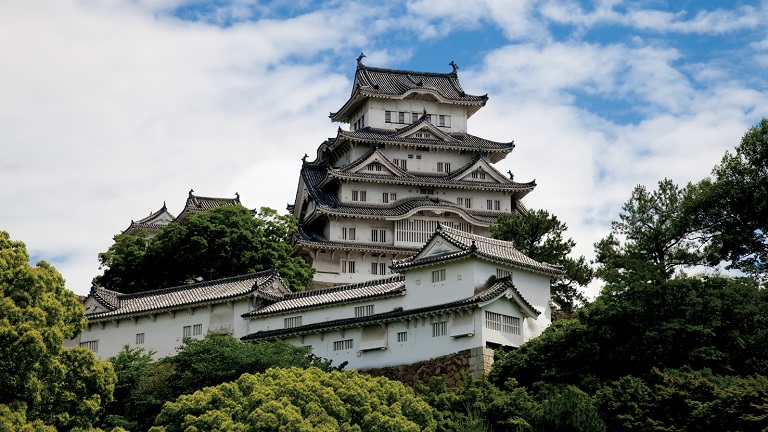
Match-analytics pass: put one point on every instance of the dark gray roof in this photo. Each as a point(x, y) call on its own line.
point(306, 238)
point(387, 287)
point(198, 204)
point(266, 284)
point(495, 289)
point(391, 83)
point(485, 247)
point(459, 140)
point(434, 180)
point(152, 223)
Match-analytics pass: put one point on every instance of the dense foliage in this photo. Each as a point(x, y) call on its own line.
point(222, 242)
point(145, 385)
point(42, 382)
point(296, 399)
point(540, 235)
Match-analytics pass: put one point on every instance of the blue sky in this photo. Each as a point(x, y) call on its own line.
point(109, 108)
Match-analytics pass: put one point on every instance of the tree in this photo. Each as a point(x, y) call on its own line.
point(734, 207)
point(131, 366)
point(540, 236)
point(219, 358)
point(714, 323)
point(296, 399)
point(222, 242)
point(656, 234)
point(42, 381)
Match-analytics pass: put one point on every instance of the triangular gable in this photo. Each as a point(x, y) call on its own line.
point(376, 163)
point(513, 295)
point(437, 246)
point(424, 126)
point(482, 171)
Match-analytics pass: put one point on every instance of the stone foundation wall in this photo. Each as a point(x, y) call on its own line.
point(475, 361)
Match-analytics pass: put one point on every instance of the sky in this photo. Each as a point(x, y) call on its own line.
point(109, 108)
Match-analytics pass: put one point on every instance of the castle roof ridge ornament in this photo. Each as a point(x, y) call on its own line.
point(455, 67)
point(360, 60)
point(191, 191)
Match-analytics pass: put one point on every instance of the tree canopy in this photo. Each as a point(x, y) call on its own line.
point(734, 205)
point(295, 399)
point(42, 382)
point(222, 242)
point(540, 235)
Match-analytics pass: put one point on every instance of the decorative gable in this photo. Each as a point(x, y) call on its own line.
point(424, 129)
point(438, 246)
point(481, 171)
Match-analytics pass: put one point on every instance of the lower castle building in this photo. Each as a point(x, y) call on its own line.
point(459, 291)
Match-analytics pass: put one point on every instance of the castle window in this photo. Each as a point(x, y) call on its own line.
point(342, 345)
point(363, 311)
point(438, 275)
point(292, 322)
point(388, 116)
point(402, 336)
point(478, 175)
point(414, 117)
point(464, 202)
point(401, 117)
point(91, 345)
point(378, 268)
point(427, 191)
point(186, 331)
point(502, 323)
point(444, 121)
point(139, 338)
point(347, 266)
point(373, 166)
point(439, 329)
point(379, 235)
point(358, 195)
point(493, 205)
point(400, 163)
point(347, 233)
point(443, 167)
point(197, 329)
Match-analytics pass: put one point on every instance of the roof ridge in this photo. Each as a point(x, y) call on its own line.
point(197, 285)
point(315, 292)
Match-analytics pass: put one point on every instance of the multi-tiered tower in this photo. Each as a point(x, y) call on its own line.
point(377, 191)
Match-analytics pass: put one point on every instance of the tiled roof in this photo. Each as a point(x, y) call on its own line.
point(460, 140)
point(265, 283)
point(494, 290)
point(329, 204)
point(312, 239)
point(473, 244)
point(434, 180)
point(393, 285)
point(152, 223)
point(396, 84)
point(198, 204)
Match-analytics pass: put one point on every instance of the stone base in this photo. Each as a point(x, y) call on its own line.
point(476, 361)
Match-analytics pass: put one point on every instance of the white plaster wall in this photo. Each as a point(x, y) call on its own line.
point(328, 313)
point(458, 284)
point(419, 346)
point(164, 334)
point(504, 306)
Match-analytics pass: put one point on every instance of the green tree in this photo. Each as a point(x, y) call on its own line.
point(222, 242)
point(656, 235)
point(219, 358)
point(717, 323)
point(734, 207)
point(540, 236)
point(42, 381)
point(300, 400)
point(131, 366)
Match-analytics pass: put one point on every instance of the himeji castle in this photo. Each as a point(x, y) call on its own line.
point(394, 215)
point(376, 191)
